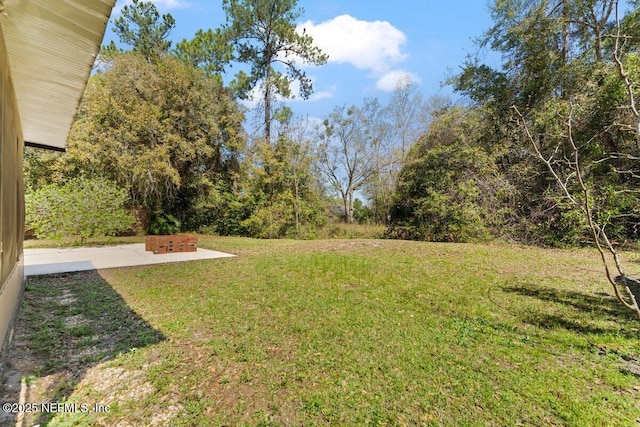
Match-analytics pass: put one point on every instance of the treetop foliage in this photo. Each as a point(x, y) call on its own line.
point(208, 50)
point(162, 129)
point(141, 27)
point(263, 35)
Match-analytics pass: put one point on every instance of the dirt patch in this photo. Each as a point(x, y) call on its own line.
point(67, 297)
point(632, 367)
point(75, 320)
point(69, 329)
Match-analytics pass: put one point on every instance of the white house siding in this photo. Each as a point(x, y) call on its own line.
point(11, 201)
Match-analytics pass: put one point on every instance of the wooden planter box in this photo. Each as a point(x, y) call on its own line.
point(171, 243)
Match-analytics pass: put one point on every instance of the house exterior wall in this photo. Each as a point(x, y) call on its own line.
point(11, 204)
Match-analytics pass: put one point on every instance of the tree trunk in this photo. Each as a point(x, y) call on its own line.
point(296, 208)
point(350, 211)
point(345, 202)
point(565, 33)
point(267, 107)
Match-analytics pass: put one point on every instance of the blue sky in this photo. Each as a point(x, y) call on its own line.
point(370, 43)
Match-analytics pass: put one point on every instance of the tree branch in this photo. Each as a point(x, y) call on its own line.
point(600, 238)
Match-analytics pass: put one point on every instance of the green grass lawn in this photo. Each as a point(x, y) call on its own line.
point(358, 332)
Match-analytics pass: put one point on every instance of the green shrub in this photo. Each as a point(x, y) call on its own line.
point(163, 224)
point(220, 212)
point(439, 196)
point(450, 186)
point(284, 216)
point(79, 209)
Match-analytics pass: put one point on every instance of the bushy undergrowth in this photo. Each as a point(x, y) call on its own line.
point(79, 209)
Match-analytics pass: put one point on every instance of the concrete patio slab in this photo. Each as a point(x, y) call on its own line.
point(65, 260)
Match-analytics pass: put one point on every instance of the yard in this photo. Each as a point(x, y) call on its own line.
point(335, 332)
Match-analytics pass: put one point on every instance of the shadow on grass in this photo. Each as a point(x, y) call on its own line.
point(67, 324)
point(591, 308)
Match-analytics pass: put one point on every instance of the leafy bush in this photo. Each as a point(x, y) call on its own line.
point(362, 213)
point(449, 186)
point(78, 209)
point(284, 216)
point(163, 224)
point(219, 212)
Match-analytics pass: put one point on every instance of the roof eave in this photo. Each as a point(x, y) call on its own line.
point(52, 46)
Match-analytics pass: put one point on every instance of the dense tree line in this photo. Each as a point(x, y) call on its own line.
point(159, 123)
point(481, 177)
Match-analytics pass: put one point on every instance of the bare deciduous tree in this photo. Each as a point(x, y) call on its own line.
point(584, 202)
point(568, 170)
point(345, 154)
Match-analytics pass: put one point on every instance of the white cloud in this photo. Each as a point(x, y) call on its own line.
point(318, 96)
point(373, 46)
point(160, 4)
point(390, 80)
point(315, 96)
point(364, 44)
point(170, 4)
